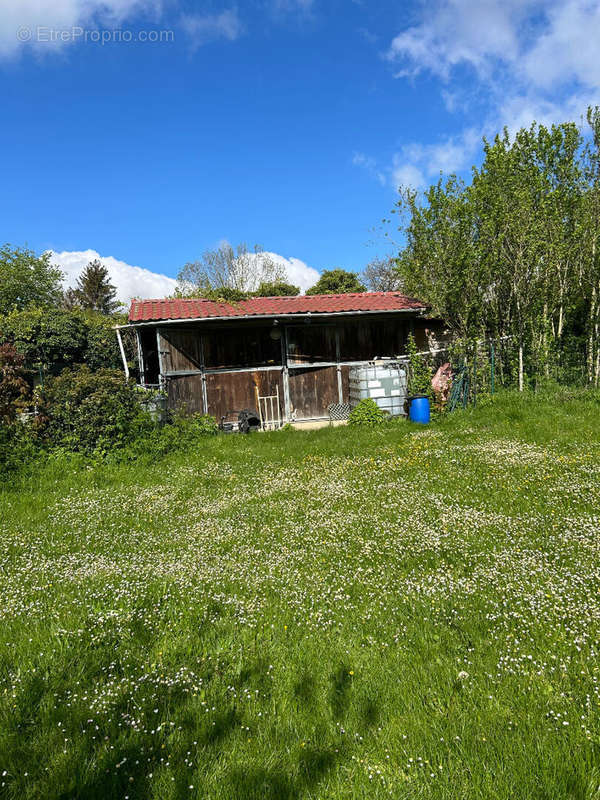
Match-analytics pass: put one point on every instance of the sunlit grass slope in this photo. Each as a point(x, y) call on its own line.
point(405, 612)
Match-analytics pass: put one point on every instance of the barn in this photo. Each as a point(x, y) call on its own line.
point(216, 357)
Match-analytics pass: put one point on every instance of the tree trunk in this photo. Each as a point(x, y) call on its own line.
point(545, 348)
point(597, 346)
point(591, 337)
point(520, 364)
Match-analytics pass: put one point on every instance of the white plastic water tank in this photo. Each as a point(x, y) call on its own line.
point(384, 382)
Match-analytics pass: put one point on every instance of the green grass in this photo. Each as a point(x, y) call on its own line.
point(402, 612)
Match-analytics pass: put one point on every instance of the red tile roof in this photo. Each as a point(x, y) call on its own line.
point(156, 310)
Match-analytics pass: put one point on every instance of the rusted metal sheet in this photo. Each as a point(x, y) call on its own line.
point(229, 392)
point(312, 390)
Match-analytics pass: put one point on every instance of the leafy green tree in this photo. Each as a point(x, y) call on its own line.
point(225, 294)
point(587, 232)
point(27, 280)
point(277, 289)
point(93, 291)
point(440, 263)
point(514, 254)
point(337, 281)
point(51, 338)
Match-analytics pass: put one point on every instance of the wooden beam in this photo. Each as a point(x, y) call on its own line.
point(122, 350)
point(339, 366)
point(203, 365)
point(161, 368)
point(287, 407)
point(140, 353)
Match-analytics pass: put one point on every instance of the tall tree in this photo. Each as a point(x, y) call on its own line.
point(337, 281)
point(515, 253)
point(381, 275)
point(441, 263)
point(588, 233)
point(238, 269)
point(27, 280)
point(94, 291)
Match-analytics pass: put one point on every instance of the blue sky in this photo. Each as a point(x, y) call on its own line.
point(287, 123)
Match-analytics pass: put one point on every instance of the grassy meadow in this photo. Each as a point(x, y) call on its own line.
point(403, 612)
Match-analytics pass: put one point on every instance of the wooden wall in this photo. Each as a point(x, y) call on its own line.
point(236, 360)
point(230, 392)
point(312, 389)
point(184, 393)
point(187, 349)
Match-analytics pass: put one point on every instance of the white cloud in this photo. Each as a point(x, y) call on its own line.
point(129, 281)
point(132, 281)
point(416, 165)
point(297, 271)
point(48, 25)
point(530, 60)
point(205, 28)
point(370, 165)
point(456, 32)
point(20, 21)
point(567, 50)
point(406, 174)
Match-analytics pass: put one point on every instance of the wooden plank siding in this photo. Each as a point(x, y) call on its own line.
point(184, 394)
point(230, 392)
point(214, 367)
point(312, 389)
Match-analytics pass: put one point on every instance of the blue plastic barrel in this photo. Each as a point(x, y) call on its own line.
point(418, 408)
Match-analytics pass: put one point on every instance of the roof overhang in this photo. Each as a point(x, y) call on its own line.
point(312, 315)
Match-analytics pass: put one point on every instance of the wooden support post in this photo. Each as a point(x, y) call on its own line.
point(140, 353)
point(122, 350)
point(258, 406)
point(203, 367)
point(339, 366)
point(161, 369)
point(287, 410)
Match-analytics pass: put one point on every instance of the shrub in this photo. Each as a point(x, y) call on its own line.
point(45, 336)
point(58, 338)
point(181, 433)
point(199, 425)
point(14, 389)
point(419, 373)
point(367, 412)
point(89, 411)
point(17, 447)
point(101, 347)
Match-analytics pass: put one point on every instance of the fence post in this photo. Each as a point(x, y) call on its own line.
point(492, 366)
